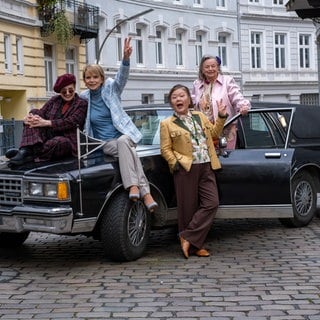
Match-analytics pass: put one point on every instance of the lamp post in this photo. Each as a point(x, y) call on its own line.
point(116, 26)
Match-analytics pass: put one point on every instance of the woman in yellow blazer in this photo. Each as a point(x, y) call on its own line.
point(186, 140)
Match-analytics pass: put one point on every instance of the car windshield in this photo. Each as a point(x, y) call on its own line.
point(148, 122)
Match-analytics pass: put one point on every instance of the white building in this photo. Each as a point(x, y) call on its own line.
point(270, 52)
point(278, 53)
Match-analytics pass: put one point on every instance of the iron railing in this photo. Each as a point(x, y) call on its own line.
point(83, 17)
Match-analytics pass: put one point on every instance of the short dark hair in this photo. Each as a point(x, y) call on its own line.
point(184, 88)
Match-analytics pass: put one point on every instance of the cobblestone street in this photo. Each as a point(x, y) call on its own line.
point(258, 270)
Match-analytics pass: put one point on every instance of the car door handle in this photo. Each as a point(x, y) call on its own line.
point(272, 155)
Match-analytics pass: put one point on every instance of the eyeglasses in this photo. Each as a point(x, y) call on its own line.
point(65, 91)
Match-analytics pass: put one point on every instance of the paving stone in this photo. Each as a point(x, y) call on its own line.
point(259, 270)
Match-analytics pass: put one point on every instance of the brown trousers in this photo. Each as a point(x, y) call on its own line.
point(197, 200)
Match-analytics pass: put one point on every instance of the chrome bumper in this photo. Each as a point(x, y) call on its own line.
point(38, 219)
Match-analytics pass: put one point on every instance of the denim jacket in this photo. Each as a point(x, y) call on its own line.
point(111, 95)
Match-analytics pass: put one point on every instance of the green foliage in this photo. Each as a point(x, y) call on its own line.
point(62, 29)
point(55, 21)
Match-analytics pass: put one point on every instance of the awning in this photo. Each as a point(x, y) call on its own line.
point(304, 8)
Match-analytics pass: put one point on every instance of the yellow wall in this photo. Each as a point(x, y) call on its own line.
point(27, 90)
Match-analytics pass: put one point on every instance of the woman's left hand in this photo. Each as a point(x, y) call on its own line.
point(244, 109)
point(127, 49)
point(222, 109)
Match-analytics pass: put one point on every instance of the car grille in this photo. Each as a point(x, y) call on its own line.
point(10, 191)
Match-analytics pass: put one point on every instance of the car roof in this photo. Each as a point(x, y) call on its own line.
point(254, 104)
point(304, 124)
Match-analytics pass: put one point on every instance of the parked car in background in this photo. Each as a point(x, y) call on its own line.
point(274, 172)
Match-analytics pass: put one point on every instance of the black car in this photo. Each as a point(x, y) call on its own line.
point(273, 173)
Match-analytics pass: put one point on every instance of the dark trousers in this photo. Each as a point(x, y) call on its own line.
point(45, 144)
point(197, 200)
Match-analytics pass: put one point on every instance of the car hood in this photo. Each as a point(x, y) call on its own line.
point(70, 165)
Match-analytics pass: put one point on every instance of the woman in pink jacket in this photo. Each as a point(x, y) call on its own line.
point(212, 87)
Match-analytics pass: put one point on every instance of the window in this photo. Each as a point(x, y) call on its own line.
point(222, 50)
point(256, 50)
point(221, 3)
point(257, 132)
point(198, 47)
point(7, 53)
point(304, 50)
point(48, 65)
point(119, 42)
point(197, 3)
point(139, 46)
point(159, 47)
point(309, 98)
point(179, 47)
point(71, 60)
point(69, 4)
point(19, 55)
point(278, 2)
point(280, 51)
point(254, 1)
point(147, 98)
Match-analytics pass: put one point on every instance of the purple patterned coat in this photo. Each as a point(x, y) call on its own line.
point(60, 140)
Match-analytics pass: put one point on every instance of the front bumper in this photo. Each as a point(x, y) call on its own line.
point(56, 220)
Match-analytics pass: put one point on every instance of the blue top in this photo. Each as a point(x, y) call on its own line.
point(100, 118)
point(111, 95)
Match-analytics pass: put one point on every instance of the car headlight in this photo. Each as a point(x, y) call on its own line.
point(58, 190)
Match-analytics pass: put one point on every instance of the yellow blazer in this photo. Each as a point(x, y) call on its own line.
point(175, 140)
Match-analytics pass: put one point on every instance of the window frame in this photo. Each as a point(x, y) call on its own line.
point(139, 42)
point(199, 47)
point(280, 50)
point(49, 66)
point(7, 52)
point(223, 49)
point(19, 55)
point(304, 49)
point(256, 51)
point(159, 47)
point(179, 45)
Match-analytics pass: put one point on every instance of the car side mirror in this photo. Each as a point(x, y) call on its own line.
point(223, 142)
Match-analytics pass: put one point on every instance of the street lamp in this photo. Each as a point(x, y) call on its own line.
point(116, 26)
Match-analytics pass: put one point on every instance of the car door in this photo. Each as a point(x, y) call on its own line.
point(257, 172)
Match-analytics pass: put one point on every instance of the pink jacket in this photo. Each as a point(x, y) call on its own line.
point(224, 88)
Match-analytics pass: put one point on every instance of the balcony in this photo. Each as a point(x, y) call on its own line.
point(83, 17)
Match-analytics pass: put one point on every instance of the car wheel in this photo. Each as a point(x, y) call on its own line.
point(125, 228)
point(304, 200)
point(12, 240)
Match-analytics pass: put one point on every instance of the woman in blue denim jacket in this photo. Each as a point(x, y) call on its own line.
point(107, 120)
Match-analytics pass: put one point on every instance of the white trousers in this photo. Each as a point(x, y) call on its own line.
point(131, 170)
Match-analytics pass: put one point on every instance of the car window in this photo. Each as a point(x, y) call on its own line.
point(257, 131)
point(148, 123)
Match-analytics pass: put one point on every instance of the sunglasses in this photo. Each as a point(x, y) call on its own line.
point(65, 91)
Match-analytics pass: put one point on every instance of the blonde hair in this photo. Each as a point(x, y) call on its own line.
point(95, 69)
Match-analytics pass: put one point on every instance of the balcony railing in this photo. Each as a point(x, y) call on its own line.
point(83, 17)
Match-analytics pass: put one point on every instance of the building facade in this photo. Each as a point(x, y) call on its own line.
point(270, 52)
point(278, 53)
point(31, 55)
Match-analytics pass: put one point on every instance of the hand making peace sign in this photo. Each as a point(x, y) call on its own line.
point(127, 49)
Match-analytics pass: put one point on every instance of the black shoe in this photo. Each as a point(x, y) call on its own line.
point(23, 155)
point(11, 153)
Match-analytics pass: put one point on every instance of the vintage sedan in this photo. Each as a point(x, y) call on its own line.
point(274, 172)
